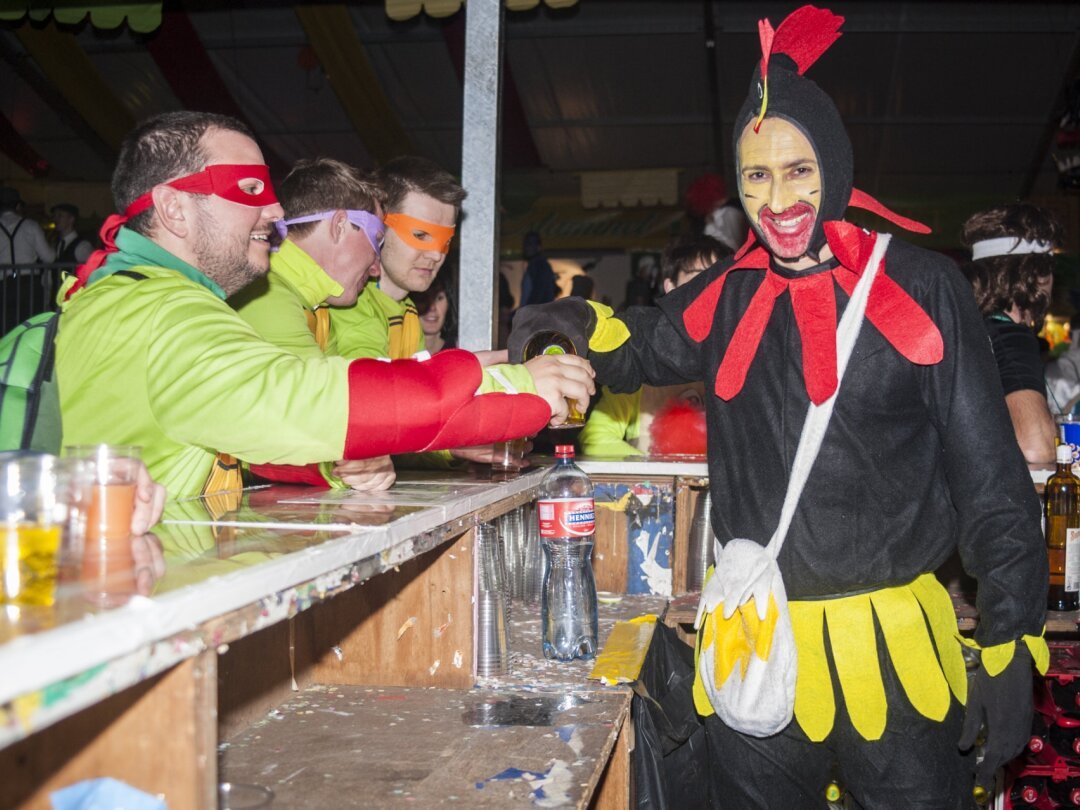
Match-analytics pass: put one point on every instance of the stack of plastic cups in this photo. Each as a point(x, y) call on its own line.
point(512, 539)
point(492, 627)
point(700, 543)
point(533, 558)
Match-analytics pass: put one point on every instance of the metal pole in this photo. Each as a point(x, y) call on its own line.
point(481, 130)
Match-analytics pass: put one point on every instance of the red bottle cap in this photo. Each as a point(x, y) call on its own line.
point(564, 450)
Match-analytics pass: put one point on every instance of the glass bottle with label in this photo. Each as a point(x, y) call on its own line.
point(1063, 533)
point(552, 342)
point(567, 518)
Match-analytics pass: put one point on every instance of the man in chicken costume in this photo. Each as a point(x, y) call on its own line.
point(918, 460)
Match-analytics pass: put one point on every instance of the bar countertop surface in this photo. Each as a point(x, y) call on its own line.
point(281, 550)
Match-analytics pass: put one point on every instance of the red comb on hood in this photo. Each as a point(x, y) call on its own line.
point(804, 35)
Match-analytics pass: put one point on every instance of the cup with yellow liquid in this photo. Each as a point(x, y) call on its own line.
point(108, 564)
point(43, 505)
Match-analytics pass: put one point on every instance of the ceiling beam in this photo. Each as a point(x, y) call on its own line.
point(518, 147)
point(331, 33)
point(183, 61)
point(19, 61)
point(67, 66)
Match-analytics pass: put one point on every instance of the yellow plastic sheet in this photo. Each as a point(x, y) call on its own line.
point(624, 653)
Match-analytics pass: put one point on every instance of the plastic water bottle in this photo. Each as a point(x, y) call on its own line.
point(567, 518)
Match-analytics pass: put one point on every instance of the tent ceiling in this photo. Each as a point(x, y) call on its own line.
point(949, 104)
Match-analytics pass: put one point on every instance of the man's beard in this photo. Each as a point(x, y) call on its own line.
point(224, 259)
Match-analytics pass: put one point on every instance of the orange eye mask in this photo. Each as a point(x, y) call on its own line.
point(420, 234)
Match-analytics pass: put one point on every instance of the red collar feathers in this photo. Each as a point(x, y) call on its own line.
point(900, 320)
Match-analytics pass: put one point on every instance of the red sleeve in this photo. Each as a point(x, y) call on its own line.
point(410, 406)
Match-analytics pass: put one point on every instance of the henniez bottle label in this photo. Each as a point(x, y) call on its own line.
point(1072, 560)
point(566, 517)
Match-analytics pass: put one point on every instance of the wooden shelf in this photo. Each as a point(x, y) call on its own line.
point(542, 725)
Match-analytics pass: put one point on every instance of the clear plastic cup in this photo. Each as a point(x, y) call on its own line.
point(508, 458)
point(43, 505)
point(108, 569)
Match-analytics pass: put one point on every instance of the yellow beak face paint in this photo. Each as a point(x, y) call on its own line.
point(419, 234)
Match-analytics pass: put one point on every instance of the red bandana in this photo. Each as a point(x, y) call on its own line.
point(901, 321)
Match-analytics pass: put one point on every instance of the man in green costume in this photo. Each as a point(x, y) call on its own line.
point(150, 354)
point(330, 246)
point(422, 205)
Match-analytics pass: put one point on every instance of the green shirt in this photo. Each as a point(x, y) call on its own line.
point(277, 305)
point(621, 424)
point(365, 329)
point(613, 423)
point(166, 364)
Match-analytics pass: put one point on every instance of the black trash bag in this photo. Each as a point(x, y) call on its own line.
point(670, 760)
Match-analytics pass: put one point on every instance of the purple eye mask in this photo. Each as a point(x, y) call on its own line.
point(371, 225)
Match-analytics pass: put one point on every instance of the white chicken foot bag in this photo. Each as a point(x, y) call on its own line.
point(746, 658)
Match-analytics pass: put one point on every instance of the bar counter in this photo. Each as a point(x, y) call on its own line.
point(321, 643)
point(293, 597)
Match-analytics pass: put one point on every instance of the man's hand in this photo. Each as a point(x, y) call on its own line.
point(559, 377)
point(1004, 704)
point(485, 454)
point(368, 474)
point(149, 501)
point(492, 357)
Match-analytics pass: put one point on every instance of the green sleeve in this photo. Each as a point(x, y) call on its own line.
point(360, 330)
point(516, 375)
point(267, 404)
point(613, 419)
point(276, 313)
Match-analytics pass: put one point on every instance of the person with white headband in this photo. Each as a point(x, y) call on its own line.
point(1011, 271)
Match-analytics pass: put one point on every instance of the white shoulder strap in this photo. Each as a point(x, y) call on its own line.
point(817, 417)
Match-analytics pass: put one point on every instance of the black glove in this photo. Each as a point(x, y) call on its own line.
point(1004, 704)
point(572, 316)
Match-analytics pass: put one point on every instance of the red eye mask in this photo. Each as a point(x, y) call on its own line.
point(222, 180)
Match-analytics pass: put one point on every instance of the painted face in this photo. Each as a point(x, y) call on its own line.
point(231, 241)
point(780, 186)
point(432, 321)
point(406, 268)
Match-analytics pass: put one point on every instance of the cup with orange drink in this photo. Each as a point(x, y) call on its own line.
point(43, 505)
point(108, 564)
